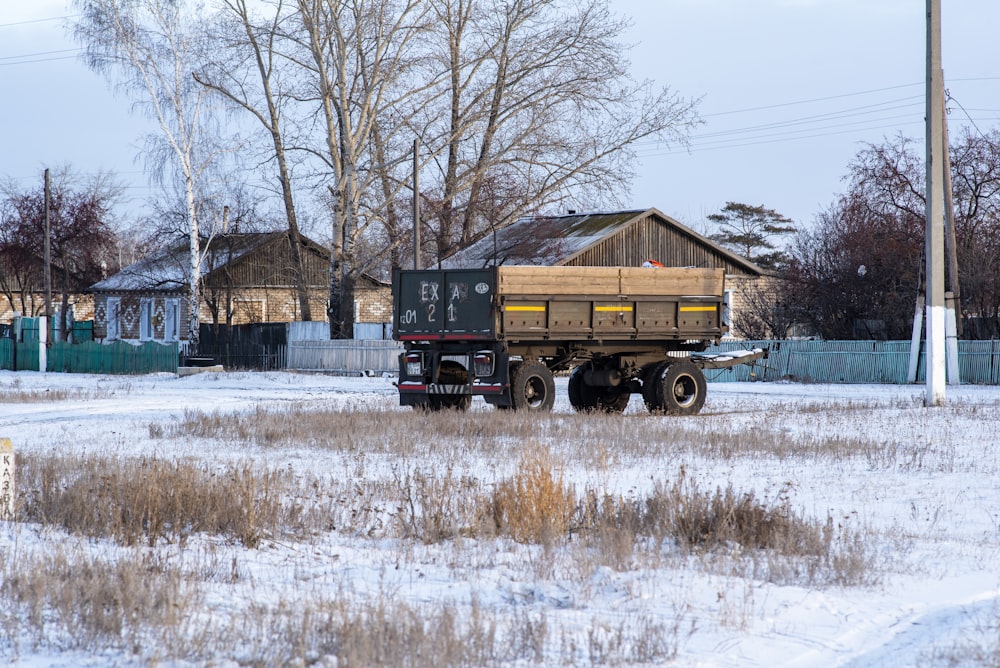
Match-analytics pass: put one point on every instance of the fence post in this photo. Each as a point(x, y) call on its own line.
point(43, 341)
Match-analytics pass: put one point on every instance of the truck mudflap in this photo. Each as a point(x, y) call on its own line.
point(728, 359)
point(441, 388)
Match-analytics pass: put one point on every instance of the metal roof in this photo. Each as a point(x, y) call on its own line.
point(556, 240)
point(168, 269)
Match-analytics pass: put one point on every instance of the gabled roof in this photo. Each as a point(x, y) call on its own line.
point(557, 240)
point(167, 270)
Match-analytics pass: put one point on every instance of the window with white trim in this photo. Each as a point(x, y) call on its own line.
point(171, 319)
point(112, 318)
point(147, 308)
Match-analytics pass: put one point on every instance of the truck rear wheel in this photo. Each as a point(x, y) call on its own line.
point(682, 389)
point(532, 387)
point(451, 373)
point(584, 397)
point(652, 387)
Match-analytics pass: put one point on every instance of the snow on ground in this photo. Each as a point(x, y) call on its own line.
point(933, 508)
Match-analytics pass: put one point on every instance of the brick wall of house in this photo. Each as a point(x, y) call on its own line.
point(373, 303)
point(764, 289)
point(252, 305)
point(129, 315)
point(83, 306)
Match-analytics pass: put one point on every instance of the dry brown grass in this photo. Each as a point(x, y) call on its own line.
point(406, 477)
point(78, 601)
point(535, 506)
point(773, 541)
point(14, 395)
point(435, 508)
point(147, 500)
point(601, 440)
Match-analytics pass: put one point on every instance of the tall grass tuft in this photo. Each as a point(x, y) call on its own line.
point(535, 506)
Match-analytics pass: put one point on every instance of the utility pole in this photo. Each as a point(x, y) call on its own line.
point(47, 252)
point(416, 204)
point(934, 232)
point(952, 291)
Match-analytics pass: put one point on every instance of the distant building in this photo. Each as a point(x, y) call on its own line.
point(246, 278)
point(610, 239)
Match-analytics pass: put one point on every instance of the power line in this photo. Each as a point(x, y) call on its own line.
point(755, 141)
point(815, 99)
point(839, 96)
point(871, 117)
point(51, 18)
point(872, 113)
point(37, 60)
point(39, 53)
point(807, 120)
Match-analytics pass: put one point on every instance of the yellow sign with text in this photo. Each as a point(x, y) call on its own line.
point(6, 479)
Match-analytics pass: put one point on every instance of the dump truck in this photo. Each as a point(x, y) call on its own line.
point(502, 332)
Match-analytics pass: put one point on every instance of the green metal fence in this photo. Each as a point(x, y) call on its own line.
point(854, 362)
point(117, 357)
point(84, 355)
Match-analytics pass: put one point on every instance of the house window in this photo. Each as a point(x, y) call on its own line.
point(171, 319)
point(146, 319)
point(112, 319)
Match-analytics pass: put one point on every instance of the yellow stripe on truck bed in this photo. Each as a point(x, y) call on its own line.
point(689, 309)
point(524, 308)
point(613, 308)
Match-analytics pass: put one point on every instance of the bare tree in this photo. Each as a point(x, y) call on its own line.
point(539, 109)
point(887, 180)
point(247, 74)
point(81, 238)
point(856, 273)
point(359, 55)
point(151, 48)
point(975, 159)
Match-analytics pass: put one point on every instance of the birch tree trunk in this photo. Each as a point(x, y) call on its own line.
point(151, 48)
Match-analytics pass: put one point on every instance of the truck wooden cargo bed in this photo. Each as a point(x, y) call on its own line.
point(544, 303)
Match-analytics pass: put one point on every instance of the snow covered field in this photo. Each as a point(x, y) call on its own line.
point(918, 487)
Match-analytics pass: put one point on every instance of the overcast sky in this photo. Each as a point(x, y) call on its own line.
point(791, 90)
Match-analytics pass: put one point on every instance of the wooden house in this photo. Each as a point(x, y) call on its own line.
point(620, 238)
point(246, 278)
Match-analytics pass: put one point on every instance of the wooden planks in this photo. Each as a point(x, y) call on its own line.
point(680, 281)
point(610, 281)
point(524, 281)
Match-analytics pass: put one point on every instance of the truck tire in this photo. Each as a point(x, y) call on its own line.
point(581, 396)
point(440, 402)
point(682, 389)
point(451, 373)
point(532, 387)
point(584, 397)
point(652, 387)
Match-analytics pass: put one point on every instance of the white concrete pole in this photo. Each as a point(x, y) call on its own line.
point(934, 234)
point(915, 339)
point(43, 343)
